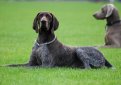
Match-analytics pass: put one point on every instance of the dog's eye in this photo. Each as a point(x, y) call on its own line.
point(49, 17)
point(41, 15)
point(103, 11)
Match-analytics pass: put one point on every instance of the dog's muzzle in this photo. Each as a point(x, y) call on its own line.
point(44, 23)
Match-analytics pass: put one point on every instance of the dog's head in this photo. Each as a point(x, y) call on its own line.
point(45, 21)
point(105, 12)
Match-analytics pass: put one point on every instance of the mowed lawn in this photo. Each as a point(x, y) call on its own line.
point(77, 28)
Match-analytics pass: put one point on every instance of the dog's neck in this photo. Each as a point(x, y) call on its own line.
point(113, 19)
point(45, 37)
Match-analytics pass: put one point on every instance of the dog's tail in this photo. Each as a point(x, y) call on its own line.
point(108, 65)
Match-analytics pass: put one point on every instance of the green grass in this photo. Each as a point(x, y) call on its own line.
point(77, 28)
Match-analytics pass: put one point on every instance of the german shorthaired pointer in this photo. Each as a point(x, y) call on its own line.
point(49, 52)
point(113, 26)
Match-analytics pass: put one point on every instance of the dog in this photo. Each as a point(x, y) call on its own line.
point(49, 52)
point(113, 26)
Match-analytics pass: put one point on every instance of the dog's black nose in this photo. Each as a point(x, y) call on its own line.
point(43, 21)
point(94, 15)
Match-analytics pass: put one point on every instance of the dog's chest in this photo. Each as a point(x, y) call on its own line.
point(43, 55)
point(53, 57)
point(43, 51)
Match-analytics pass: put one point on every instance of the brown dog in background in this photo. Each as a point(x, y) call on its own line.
point(113, 26)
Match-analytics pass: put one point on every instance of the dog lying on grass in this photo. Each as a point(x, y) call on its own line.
point(113, 26)
point(49, 52)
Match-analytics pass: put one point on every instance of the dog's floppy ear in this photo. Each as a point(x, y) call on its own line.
point(54, 23)
point(110, 8)
point(35, 23)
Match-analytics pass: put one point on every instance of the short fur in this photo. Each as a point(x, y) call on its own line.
point(49, 52)
point(113, 26)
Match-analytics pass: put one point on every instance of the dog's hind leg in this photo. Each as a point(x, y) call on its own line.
point(83, 57)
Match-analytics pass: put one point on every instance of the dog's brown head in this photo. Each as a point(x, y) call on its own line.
point(106, 11)
point(45, 21)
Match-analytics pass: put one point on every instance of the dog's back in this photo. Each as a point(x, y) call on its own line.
point(113, 35)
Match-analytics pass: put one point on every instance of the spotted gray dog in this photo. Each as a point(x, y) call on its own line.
point(113, 26)
point(49, 52)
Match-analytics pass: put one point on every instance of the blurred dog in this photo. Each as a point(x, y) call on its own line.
point(113, 26)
